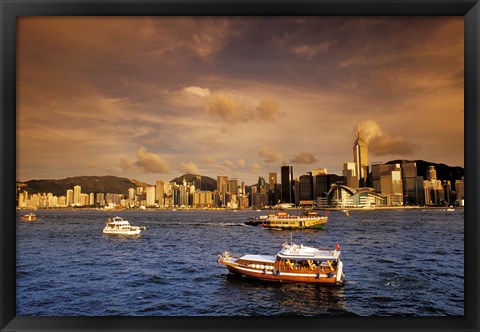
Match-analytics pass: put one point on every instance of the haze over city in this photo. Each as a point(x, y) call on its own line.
point(156, 97)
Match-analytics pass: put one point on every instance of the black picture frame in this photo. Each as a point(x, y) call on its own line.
point(10, 10)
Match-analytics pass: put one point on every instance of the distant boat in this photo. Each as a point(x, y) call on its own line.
point(29, 217)
point(450, 209)
point(288, 221)
point(294, 263)
point(347, 213)
point(119, 226)
point(255, 221)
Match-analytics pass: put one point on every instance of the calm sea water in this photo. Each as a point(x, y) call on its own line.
point(396, 262)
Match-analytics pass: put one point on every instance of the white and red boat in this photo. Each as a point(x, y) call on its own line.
point(294, 263)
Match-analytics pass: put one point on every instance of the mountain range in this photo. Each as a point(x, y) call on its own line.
point(119, 185)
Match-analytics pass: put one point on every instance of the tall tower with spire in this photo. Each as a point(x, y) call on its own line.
point(360, 157)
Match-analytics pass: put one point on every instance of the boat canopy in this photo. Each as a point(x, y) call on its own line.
point(259, 258)
point(296, 251)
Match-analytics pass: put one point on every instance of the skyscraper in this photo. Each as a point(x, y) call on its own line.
point(159, 191)
point(360, 157)
point(287, 184)
point(77, 190)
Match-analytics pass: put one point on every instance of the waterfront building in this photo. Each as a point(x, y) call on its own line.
point(360, 158)
point(447, 189)
point(387, 180)
point(341, 196)
point(287, 184)
point(69, 197)
point(350, 174)
point(459, 192)
point(434, 193)
point(77, 190)
point(159, 191)
point(91, 199)
point(261, 185)
point(222, 187)
point(259, 200)
point(431, 173)
point(22, 201)
point(202, 199)
point(132, 193)
point(433, 189)
point(150, 196)
point(323, 182)
point(100, 200)
point(243, 202)
point(233, 186)
point(306, 187)
point(411, 189)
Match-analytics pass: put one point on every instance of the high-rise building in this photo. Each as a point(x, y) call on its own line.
point(233, 186)
point(222, 187)
point(431, 173)
point(350, 174)
point(77, 191)
point(287, 184)
point(159, 191)
point(433, 189)
point(411, 189)
point(275, 189)
point(460, 192)
point(319, 171)
point(131, 193)
point(306, 187)
point(360, 157)
point(272, 180)
point(261, 185)
point(150, 196)
point(69, 199)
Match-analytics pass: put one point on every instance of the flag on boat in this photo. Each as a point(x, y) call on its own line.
point(337, 246)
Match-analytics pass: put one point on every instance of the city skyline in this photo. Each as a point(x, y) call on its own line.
point(154, 97)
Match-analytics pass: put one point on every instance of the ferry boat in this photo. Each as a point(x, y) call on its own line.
point(293, 263)
point(121, 227)
point(284, 220)
point(28, 217)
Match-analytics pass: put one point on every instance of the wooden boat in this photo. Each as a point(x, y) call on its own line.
point(293, 263)
point(28, 217)
point(119, 226)
point(284, 220)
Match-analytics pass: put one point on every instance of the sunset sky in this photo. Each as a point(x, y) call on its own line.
point(155, 97)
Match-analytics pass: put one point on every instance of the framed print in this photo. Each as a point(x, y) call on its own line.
point(239, 166)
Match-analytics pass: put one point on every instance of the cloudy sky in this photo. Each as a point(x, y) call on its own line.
point(156, 97)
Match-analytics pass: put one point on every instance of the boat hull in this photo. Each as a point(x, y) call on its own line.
point(133, 232)
point(284, 276)
point(297, 224)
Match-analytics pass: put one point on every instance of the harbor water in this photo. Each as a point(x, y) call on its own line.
point(396, 262)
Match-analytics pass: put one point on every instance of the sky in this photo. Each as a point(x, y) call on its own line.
point(151, 98)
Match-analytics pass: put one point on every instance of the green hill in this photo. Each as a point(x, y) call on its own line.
point(89, 184)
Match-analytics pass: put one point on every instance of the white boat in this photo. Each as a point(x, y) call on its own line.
point(121, 227)
point(294, 263)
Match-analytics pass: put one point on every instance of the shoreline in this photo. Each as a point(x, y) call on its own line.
point(238, 210)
